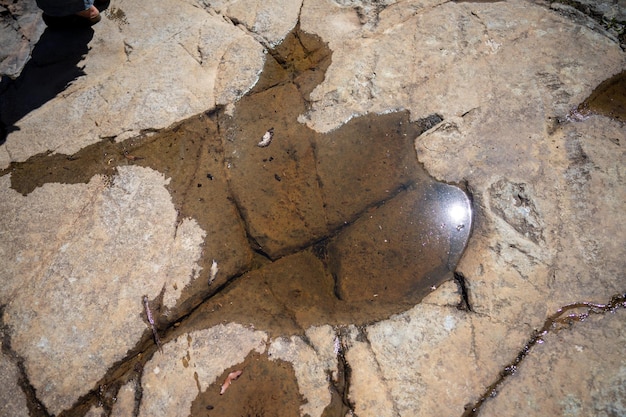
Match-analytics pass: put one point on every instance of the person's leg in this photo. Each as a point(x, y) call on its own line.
point(69, 13)
point(58, 8)
point(91, 13)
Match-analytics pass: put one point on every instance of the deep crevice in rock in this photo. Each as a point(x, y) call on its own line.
point(138, 393)
point(340, 404)
point(464, 304)
point(105, 391)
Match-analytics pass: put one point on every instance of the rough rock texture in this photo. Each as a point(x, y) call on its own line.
point(472, 45)
point(12, 398)
point(137, 79)
point(259, 18)
point(549, 383)
point(548, 195)
point(82, 257)
point(170, 384)
point(313, 359)
point(20, 27)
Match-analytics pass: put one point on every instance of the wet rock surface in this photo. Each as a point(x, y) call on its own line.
point(608, 99)
point(315, 264)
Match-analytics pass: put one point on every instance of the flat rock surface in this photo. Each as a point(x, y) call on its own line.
point(235, 208)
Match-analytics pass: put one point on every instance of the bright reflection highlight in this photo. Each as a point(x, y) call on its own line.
point(457, 213)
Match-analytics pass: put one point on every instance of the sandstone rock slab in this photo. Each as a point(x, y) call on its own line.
point(187, 366)
point(548, 193)
point(134, 79)
point(270, 21)
point(575, 371)
point(100, 244)
point(12, 398)
point(20, 27)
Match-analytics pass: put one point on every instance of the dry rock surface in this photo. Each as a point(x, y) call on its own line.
point(96, 271)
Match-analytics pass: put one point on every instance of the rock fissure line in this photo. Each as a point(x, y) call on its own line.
point(473, 353)
point(346, 369)
point(103, 396)
point(129, 368)
point(282, 60)
point(416, 11)
point(35, 407)
point(106, 390)
point(336, 287)
point(178, 321)
point(485, 30)
point(560, 320)
point(398, 191)
point(138, 393)
point(464, 303)
point(427, 122)
point(198, 59)
point(16, 21)
point(191, 179)
point(320, 185)
point(252, 242)
point(341, 384)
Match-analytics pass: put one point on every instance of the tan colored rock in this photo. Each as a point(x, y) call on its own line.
point(20, 27)
point(369, 391)
point(188, 365)
point(577, 201)
point(270, 20)
point(425, 349)
point(541, 235)
point(462, 56)
point(574, 372)
point(548, 195)
point(125, 400)
point(311, 365)
point(243, 57)
point(78, 280)
point(148, 67)
point(12, 398)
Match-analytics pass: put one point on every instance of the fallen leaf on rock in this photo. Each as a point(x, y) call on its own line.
point(230, 378)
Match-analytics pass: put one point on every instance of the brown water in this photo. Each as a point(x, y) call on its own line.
point(609, 98)
point(337, 228)
point(313, 228)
